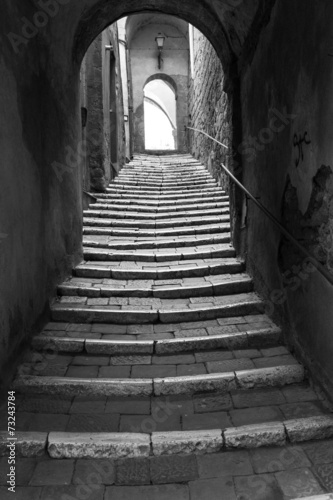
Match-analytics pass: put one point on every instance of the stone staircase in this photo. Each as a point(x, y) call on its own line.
point(160, 372)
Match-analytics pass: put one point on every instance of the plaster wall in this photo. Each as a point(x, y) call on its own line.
point(144, 64)
point(287, 150)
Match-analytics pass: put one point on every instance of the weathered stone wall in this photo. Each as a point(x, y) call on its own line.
point(101, 136)
point(210, 108)
point(287, 151)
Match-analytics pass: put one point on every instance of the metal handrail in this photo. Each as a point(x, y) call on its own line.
point(283, 230)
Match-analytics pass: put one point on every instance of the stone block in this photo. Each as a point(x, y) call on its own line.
point(175, 443)
point(255, 436)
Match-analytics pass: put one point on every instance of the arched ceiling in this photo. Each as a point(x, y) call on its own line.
point(230, 25)
point(139, 21)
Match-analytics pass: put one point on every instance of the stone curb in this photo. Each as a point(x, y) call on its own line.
point(131, 445)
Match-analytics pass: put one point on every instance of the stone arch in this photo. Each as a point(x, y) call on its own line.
point(166, 79)
point(200, 14)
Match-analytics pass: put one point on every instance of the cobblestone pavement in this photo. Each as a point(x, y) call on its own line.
point(159, 376)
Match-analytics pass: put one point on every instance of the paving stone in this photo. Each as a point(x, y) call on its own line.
point(235, 463)
point(275, 361)
point(216, 420)
point(298, 483)
point(275, 351)
point(174, 469)
point(114, 372)
point(250, 416)
point(203, 357)
point(53, 472)
point(154, 371)
point(70, 492)
point(156, 422)
point(21, 493)
point(172, 443)
point(320, 452)
point(172, 405)
point(299, 393)
point(88, 405)
point(160, 492)
point(24, 468)
point(109, 329)
point(94, 472)
point(93, 423)
point(325, 475)
point(82, 372)
point(44, 422)
point(132, 472)
point(211, 403)
point(302, 410)
point(45, 404)
point(263, 487)
point(130, 360)
point(278, 459)
point(100, 445)
point(211, 489)
point(91, 360)
point(196, 369)
point(184, 359)
point(132, 406)
point(229, 366)
point(258, 397)
point(247, 353)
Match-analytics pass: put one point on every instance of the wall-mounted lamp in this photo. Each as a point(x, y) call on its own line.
point(126, 118)
point(109, 47)
point(160, 39)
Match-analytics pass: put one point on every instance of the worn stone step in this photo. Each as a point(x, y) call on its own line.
point(156, 224)
point(161, 184)
point(111, 445)
point(221, 286)
point(163, 188)
point(189, 253)
point(158, 243)
point(112, 214)
point(159, 210)
point(163, 194)
point(167, 179)
point(156, 272)
point(157, 202)
point(78, 310)
point(222, 383)
point(246, 344)
point(158, 233)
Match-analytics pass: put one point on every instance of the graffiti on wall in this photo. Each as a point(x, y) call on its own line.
point(299, 142)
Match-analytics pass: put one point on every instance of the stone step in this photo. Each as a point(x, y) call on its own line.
point(157, 202)
point(155, 271)
point(100, 221)
point(163, 193)
point(103, 212)
point(157, 211)
point(160, 187)
point(220, 286)
point(187, 253)
point(158, 243)
point(79, 310)
point(167, 180)
point(157, 445)
point(243, 343)
point(158, 233)
point(223, 383)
